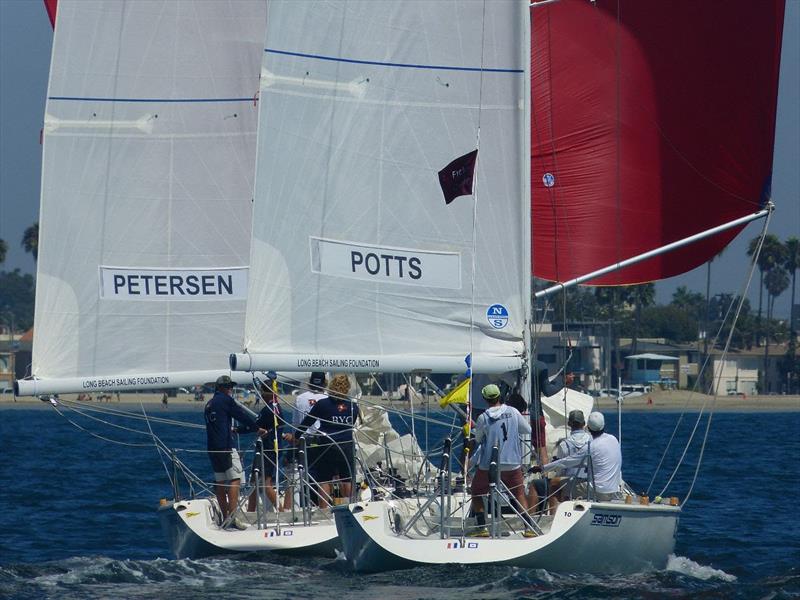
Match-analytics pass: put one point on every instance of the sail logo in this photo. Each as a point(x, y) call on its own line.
point(384, 264)
point(124, 283)
point(497, 315)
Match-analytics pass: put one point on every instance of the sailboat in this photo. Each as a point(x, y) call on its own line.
point(149, 144)
point(368, 102)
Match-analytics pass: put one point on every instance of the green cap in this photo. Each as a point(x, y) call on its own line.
point(490, 392)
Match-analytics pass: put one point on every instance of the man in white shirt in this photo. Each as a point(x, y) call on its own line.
point(606, 459)
point(303, 405)
point(605, 466)
point(576, 444)
point(306, 401)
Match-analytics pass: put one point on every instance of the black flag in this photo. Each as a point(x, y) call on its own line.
point(456, 178)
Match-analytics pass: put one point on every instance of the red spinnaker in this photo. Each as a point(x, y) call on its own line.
point(50, 7)
point(652, 121)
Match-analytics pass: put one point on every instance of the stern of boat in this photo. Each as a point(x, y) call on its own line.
point(192, 532)
point(582, 537)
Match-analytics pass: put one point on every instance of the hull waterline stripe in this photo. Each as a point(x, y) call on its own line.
point(153, 100)
point(390, 64)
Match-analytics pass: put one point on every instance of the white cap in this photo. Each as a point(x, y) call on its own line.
point(596, 422)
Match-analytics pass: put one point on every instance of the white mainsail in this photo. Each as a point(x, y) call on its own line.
point(357, 263)
point(148, 166)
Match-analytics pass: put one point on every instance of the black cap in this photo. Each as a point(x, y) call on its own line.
point(317, 378)
point(224, 381)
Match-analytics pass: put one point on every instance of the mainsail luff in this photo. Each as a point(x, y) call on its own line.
point(148, 160)
point(361, 105)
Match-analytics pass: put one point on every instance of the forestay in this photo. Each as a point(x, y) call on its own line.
point(149, 159)
point(357, 262)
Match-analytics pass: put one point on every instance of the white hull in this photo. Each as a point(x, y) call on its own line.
point(584, 537)
point(191, 531)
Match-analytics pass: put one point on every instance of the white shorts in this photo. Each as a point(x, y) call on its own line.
point(235, 471)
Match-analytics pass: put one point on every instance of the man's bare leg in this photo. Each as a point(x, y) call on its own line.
point(221, 492)
point(326, 489)
point(523, 505)
point(480, 510)
point(345, 488)
point(557, 486)
point(268, 490)
point(533, 497)
point(233, 496)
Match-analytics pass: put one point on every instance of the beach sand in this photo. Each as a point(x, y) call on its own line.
point(662, 401)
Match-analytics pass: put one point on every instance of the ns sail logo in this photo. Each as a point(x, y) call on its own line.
point(497, 315)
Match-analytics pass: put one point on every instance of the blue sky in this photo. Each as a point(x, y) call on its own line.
point(25, 45)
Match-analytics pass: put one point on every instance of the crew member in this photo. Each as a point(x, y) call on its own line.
point(306, 401)
point(266, 421)
point(605, 460)
point(500, 425)
point(219, 414)
point(337, 415)
point(576, 444)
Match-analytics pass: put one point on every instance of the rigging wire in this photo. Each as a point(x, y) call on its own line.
point(98, 436)
point(742, 296)
point(725, 352)
point(155, 443)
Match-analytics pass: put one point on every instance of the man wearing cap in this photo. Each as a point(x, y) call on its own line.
point(500, 425)
point(605, 465)
point(576, 444)
point(219, 414)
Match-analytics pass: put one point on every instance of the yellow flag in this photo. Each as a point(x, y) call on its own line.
point(458, 395)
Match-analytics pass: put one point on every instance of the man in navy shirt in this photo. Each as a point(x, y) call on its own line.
point(219, 414)
point(334, 460)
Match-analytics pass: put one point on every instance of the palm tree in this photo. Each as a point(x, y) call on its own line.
point(771, 255)
point(792, 264)
point(776, 281)
point(690, 302)
point(3, 250)
point(641, 296)
point(30, 240)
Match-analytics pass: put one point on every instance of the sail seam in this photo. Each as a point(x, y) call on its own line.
point(165, 100)
point(392, 64)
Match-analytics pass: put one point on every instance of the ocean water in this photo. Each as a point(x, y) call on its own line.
point(77, 516)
